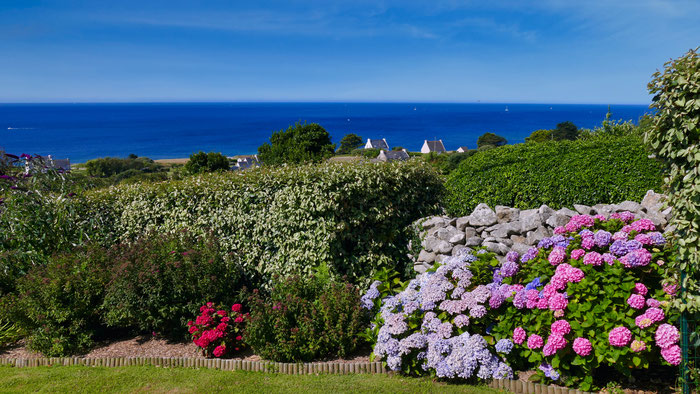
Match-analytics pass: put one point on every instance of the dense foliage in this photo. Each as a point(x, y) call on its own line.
point(675, 137)
point(305, 319)
point(565, 131)
point(491, 139)
point(349, 143)
point(298, 144)
point(601, 170)
point(109, 166)
point(595, 294)
point(206, 162)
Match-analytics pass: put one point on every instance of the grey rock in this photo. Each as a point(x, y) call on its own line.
point(462, 223)
point(453, 222)
point(483, 216)
point(484, 234)
point(533, 237)
point(480, 229)
point(567, 212)
point(629, 206)
point(668, 213)
point(469, 232)
point(652, 199)
point(602, 209)
point(443, 247)
point(473, 241)
point(420, 268)
point(505, 241)
point(439, 258)
point(495, 247)
point(432, 221)
point(506, 214)
point(460, 250)
point(657, 218)
point(583, 209)
point(557, 220)
point(426, 256)
point(520, 247)
point(545, 212)
point(490, 239)
point(457, 239)
point(446, 233)
point(431, 243)
point(529, 220)
point(505, 230)
point(518, 239)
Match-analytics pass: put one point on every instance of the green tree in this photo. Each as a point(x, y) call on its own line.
point(206, 162)
point(299, 143)
point(490, 139)
point(675, 138)
point(565, 131)
point(543, 135)
point(348, 143)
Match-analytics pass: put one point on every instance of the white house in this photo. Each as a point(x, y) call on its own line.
point(392, 155)
point(245, 161)
point(433, 146)
point(462, 149)
point(376, 144)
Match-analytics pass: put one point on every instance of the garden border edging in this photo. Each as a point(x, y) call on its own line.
point(372, 367)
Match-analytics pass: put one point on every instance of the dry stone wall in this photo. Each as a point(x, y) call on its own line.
point(502, 229)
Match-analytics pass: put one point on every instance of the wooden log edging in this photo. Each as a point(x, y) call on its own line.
point(365, 367)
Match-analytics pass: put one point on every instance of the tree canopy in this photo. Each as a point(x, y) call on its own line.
point(299, 143)
point(206, 162)
point(565, 131)
point(348, 143)
point(490, 139)
point(543, 135)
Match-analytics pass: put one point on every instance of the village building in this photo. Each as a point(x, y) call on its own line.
point(462, 149)
point(377, 144)
point(392, 155)
point(244, 162)
point(433, 146)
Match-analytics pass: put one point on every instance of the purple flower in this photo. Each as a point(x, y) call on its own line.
point(504, 346)
point(602, 238)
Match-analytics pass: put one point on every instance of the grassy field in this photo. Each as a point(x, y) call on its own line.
point(184, 380)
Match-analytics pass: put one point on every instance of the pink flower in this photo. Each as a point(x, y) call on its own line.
point(666, 336)
point(582, 346)
point(561, 327)
point(543, 303)
point(655, 314)
point(643, 321)
point(558, 313)
point(619, 336)
point(559, 230)
point(671, 290)
point(236, 307)
point(638, 346)
point(238, 319)
point(577, 253)
point(620, 235)
point(653, 303)
point(558, 301)
point(222, 326)
point(557, 256)
point(558, 282)
point(672, 354)
point(193, 329)
point(588, 243)
point(534, 341)
point(640, 289)
point(554, 342)
point(609, 258)
point(600, 217)
point(643, 225)
point(239, 338)
point(579, 221)
point(519, 335)
point(203, 320)
point(643, 239)
point(593, 258)
point(221, 313)
point(219, 351)
point(636, 301)
point(225, 319)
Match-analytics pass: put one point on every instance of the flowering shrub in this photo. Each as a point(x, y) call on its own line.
point(591, 295)
point(436, 323)
point(218, 331)
point(304, 319)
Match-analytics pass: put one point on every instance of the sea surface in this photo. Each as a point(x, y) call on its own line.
point(172, 130)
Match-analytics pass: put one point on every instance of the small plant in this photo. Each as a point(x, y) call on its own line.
point(9, 333)
point(218, 332)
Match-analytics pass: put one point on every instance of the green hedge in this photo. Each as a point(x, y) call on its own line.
point(559, 174)
point(284, 220)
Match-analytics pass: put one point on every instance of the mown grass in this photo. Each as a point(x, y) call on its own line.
point(184, 380)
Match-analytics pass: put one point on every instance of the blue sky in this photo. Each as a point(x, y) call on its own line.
point(452, 51)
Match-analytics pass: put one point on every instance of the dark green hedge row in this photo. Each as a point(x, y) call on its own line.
point(558, 174)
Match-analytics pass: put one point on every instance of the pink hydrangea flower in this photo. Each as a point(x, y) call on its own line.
point(638, 346)
point(636, 301)
point(543, 303)
point(558, 281)
point(643, 321)
point(557, 256)
point(588, 243)
point(577, 253)
point(558, 301)
point(671, 289)
point(620, 235)
point(555, 342)
point(534, 341)
point(582, 346)
point(559, 230)
point(666, 336)
point(579, 221)
point(643, 225)
point(619, 336)
point(600, 217)
point(655, 314)
point(519, 335)
point(593, 258)
point(672, 354)
point(640, 289)
point(608, 258)
point(652, 303)
point(561, 327)
point(643, 239)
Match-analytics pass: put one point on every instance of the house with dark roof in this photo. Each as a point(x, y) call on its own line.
point(376, 144)
point(244, 162)
point(462, 149)
point(433, 146)
point(392, 155)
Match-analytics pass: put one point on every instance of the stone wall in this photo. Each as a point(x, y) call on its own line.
point(503, 229)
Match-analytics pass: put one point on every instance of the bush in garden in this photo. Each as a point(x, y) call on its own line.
point(595, 294)
point(57, 305)
point(159, 281)
point(285, 220)
point(438, 324)
point(558, 173)
point(9, 333)
point(306, 319)
point(217, 331)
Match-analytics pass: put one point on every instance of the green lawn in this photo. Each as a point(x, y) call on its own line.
point(154, 379)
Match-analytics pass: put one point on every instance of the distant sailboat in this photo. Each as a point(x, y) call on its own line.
point(414, 108)
point(506, 108)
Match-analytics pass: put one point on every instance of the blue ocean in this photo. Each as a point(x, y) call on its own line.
point(172, 130)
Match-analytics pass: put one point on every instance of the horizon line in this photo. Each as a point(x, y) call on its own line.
point(312, 102)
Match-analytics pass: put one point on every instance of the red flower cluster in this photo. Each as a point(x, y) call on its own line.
point(216, 331)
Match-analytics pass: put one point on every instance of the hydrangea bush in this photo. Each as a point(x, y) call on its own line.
point(218, 332)
point(435, 324)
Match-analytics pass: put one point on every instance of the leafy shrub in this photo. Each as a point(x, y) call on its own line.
point(13, 265)
point(298, 144)
point(369, 153)
point(58, 304)
point(565, 131)
point(490, 139)
point(159, 281)
point(349, 143)
point(543, 135)
point(206, 162)
point(306, 319)
point(558, 174)
point(9, 333)
point(218, 332)
point(109, 166)
point(284, 220)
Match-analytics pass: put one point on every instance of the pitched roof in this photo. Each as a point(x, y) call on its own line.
point(464, 148)
point(396, 155)
point(380, 144)
point(436, 146)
